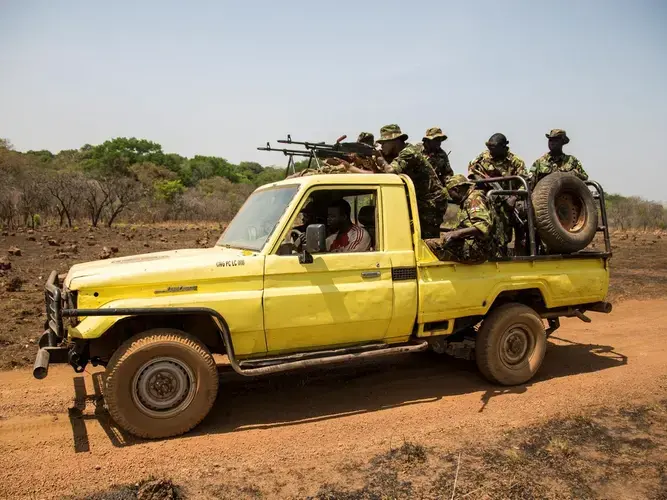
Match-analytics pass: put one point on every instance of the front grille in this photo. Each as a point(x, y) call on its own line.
point(70, 302)
point(53, 303)
point(404, 273)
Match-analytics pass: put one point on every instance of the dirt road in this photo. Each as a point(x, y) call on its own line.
point(286, 435)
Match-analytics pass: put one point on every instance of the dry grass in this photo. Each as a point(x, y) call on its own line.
point(607, 454)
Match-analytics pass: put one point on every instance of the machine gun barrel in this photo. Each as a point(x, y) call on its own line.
point(309, 153)
point(308, 145)
point(288, 152)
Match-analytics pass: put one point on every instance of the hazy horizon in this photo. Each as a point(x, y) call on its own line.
point(223, 78)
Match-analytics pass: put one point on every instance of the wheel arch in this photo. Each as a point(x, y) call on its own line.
point(532, 297)
point(200, 325)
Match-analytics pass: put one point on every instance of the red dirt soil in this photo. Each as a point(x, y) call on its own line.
point(287, 435)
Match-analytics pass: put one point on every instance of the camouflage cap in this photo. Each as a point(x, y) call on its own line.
point(558, 132)
point(435, 133)
point(391, 132)
point(457, 180)
point(366, 138)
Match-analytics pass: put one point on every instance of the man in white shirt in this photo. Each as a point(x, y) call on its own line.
point(347, 237)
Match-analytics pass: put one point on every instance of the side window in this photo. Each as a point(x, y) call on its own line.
point(349, 215)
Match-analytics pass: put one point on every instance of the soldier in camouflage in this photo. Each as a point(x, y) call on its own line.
point(499, 161)
point(474, 236)
point(402, 158)
point(496, 161)
point(366, 164)
point(366, 138)
point(432, 147)
point(555, 160)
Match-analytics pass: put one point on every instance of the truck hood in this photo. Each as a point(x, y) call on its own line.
point(162, 267)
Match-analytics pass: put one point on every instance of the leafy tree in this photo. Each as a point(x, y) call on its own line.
point(149, 173)
point(42, 156)
point(114, 157)
point(174, 162)
point(269, 175)
point(168, 190)
point(205, 167)
point(68, 159)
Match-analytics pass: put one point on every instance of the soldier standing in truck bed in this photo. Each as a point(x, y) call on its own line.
point(555, 160)
point(402, 158)
point(496, 161)
point(499, 161)
point(432, 148)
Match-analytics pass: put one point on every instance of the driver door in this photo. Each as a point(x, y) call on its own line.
point(339, 298)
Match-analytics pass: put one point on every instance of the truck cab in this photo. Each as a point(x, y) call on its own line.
point(271, 298)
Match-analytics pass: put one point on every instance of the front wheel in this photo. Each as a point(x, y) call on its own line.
point(511, 344)
point(160, 383)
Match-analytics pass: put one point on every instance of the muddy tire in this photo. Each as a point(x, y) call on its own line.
point(511, 344)
point(566, 215)
point(160, 383)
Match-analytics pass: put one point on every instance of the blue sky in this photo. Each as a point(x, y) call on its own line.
point(222, 78)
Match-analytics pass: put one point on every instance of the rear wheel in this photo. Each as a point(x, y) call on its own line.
point(511, 344)
point(160, 383)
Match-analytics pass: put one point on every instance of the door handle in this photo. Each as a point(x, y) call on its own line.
point(370, 274)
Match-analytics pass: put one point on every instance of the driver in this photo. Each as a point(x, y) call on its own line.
point(346, 237)
point(309, 215)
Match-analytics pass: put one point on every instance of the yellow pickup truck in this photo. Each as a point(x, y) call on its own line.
point(271, 298)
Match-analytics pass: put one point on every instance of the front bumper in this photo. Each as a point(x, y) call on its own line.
point(53, 346)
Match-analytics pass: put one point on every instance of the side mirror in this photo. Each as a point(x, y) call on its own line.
point(316, 238)
point(315, 243)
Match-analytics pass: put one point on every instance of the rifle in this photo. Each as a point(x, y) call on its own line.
point(321, 150)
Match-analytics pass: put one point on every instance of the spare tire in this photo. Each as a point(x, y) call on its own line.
point(566, 214)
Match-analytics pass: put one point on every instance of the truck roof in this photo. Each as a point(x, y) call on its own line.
point(338, 179)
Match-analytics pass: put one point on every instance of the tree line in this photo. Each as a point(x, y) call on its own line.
point(122, 178)
point(635, 213)
point(134, 179)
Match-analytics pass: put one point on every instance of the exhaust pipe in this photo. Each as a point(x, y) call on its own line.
point(600, 307)
point(41, 368)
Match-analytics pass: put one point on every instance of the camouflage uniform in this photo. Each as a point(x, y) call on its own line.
point(439, 159)
point(474, 211)
point(549, 163)
point(431, 198)
point(487, 166)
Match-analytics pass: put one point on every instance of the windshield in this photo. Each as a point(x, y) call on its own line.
point(258, 218)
